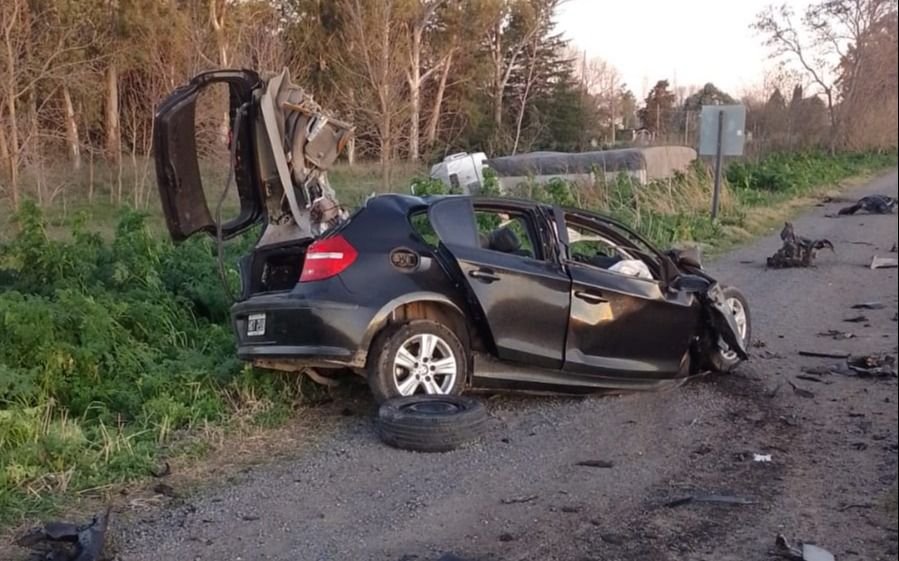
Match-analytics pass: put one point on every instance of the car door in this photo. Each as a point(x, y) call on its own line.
point(180, 181)
point(621, 325)
point(519, 291)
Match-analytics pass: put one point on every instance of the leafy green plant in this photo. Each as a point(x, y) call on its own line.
point(108, 349)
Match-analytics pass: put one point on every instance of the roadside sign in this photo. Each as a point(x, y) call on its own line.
point(733, 130)
point(721, 133)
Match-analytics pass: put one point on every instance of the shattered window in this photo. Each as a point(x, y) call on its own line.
point(423, 228)
point(506, 232)
point(592, 248)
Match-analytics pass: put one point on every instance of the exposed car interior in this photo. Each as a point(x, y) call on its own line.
point(588, 247)
point(505, 233)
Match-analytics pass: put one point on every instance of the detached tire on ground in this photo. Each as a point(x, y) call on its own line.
point(430, 423)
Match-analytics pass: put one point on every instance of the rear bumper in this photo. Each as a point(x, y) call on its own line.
point(320, 332)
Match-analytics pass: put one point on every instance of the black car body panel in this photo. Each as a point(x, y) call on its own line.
point(537, 293)
point(342, 315)
point(524, 300)
point(552, 321)
point(177, 167)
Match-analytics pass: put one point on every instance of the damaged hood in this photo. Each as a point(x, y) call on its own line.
point(281, 142)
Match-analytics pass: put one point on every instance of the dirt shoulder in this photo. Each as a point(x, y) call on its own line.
point(518, 495)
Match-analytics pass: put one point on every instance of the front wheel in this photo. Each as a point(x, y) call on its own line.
point(720, 357)
point(417, 357)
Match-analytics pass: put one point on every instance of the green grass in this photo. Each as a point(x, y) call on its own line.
point(115, 346)
point(108, 350)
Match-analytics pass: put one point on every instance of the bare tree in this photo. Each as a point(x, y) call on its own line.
point(373, 64)
point(30, 57)
point(421, 16)
point(820, 39)
point(603, 82)
point(505, 49)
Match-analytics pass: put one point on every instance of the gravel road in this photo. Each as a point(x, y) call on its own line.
point(518, 494)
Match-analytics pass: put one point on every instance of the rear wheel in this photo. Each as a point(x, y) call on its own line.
point(417, 357)
point(721, 358)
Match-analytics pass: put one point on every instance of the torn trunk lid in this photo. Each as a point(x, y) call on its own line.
point(282, 144)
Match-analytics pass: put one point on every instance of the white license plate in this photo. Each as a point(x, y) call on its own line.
point(255, 325)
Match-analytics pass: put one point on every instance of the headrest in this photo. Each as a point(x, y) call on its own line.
point(504, 239)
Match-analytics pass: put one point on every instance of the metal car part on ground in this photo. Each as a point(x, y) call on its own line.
point(796, 251)
point(63, 541)
point(872, 204)
point(437, 294)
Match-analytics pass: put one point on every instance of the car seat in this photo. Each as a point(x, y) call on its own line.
point(505, 240)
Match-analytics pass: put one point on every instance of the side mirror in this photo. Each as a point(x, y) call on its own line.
point(691, 283)
point(689, 257)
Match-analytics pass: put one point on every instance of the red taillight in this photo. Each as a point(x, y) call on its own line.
point(327, 257)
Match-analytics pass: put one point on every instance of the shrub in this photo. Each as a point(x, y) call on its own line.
point(106, 349)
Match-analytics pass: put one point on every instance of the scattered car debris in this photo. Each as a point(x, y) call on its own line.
point(801, 392)
point(824, 354)
point(884, 263)
point(853, 506)
point(802, 552)
point(613, 538)
point(766, 354)
point(818, 370)
point(507, 537)
point(836, 334)
point(519, 500)
point(810, 378)
point(796, 251)
point(64, 541)
point(896, 316)
point(873, 204)
point(165, 490)
point(763, 458)
point(163, 471)
point(869, 306)
point(875, 365)
point(893, 248)
point(713, 499)
point(856, 319)
point(595, 463)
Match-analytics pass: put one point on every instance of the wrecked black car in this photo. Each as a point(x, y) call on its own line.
point(434, 295)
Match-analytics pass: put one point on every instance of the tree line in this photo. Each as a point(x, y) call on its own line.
point(79, 79)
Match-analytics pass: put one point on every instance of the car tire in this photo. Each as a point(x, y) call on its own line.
point(385, 374)
point(430, 423)
point(722, 360)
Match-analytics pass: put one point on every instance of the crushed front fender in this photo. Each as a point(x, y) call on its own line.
point(722, 322)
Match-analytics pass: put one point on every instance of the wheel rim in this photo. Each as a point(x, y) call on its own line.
point(432, 407)
point(739, 312)
point(424, 363)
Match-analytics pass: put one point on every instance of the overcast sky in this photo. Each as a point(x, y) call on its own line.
point(689, 42)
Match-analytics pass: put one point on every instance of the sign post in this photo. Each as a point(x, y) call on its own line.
point(721, 134)
point(716, 193)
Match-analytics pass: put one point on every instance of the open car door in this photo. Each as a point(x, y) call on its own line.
point(178, 175)
point(513, 281)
